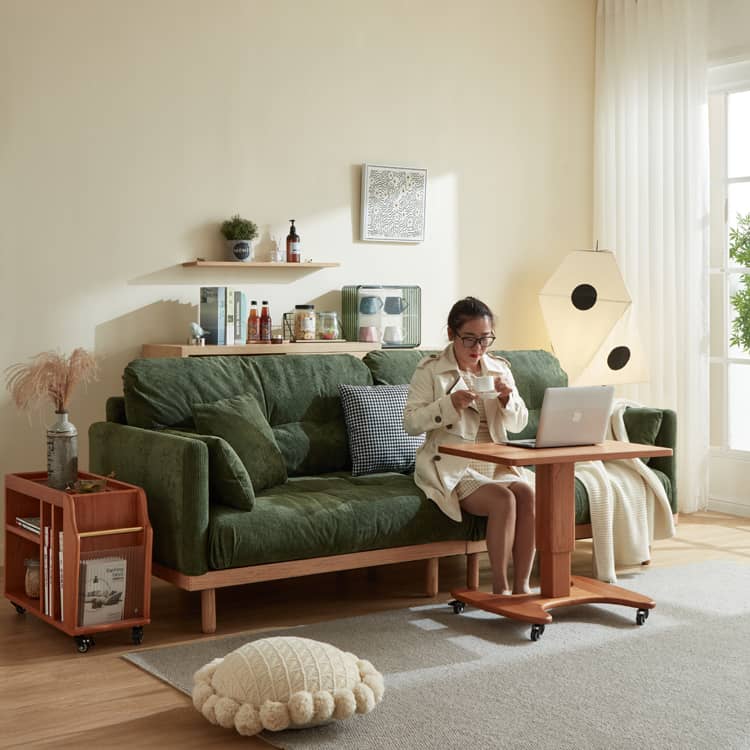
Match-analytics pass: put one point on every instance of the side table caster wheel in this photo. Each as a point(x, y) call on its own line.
point(137, 635)
point(457, 605)
point(536, 631)
point(84, 643)
point(641, 616)
point(21, 610)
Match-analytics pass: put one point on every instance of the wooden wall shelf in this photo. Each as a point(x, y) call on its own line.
point(356, 348)
point(254, 264)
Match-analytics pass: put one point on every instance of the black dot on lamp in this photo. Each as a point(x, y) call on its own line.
point(583, 297)
point(618, 358)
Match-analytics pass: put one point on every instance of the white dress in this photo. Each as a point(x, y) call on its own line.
point(479, 473)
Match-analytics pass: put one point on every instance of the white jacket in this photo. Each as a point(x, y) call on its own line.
point(429, 409)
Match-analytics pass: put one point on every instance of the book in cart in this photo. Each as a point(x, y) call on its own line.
point(102, 590)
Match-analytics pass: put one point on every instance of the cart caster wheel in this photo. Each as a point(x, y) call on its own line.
point(641, 616)
point(21, 610)
point(84, 643)
point(137, 635)
point(458, 606)
point(536, 631)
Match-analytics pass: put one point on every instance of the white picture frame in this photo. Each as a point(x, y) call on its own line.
point(393, 203)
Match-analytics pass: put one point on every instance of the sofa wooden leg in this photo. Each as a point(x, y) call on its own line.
point(472, 570)
point(208, 610)
point(431, 577)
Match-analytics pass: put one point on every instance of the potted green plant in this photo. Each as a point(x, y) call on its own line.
point(739, 252)
point(239, 234)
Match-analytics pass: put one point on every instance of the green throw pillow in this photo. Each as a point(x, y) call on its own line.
point(643, 425)
point(240, 421)
point(228, 480)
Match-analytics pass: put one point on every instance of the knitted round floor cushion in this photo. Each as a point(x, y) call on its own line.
point(282, 682)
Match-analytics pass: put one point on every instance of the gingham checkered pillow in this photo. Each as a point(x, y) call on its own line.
point(375, 423)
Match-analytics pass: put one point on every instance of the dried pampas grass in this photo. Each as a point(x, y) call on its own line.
point(50, 375)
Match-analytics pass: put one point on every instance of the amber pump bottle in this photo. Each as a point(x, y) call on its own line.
point(293, 245)
point(265, 322)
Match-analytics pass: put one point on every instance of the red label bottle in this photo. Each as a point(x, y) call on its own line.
point(253, 323)
point(265, 322)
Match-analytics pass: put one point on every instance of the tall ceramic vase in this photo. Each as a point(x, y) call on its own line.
point(62, 452)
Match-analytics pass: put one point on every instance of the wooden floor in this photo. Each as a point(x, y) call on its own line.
point(52, 696)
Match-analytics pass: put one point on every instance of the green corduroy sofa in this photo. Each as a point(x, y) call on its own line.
point(322, 518)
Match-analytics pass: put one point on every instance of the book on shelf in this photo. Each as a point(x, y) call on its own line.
point(212, 312)
point(60, 568)
point(30, 523)
point(45, 557)
point(102, 590)
point(222, 313)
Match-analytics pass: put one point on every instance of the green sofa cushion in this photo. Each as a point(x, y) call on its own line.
point(160, 392)
point(228, 480)
point(241, 423)
point(331, 515)
point(643, 425)
point(304, 408)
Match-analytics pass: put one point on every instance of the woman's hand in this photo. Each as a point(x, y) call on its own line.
point(503, 390)
point(462, 399)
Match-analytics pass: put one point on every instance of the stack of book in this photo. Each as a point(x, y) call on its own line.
point(30, 523)
point(222, 313)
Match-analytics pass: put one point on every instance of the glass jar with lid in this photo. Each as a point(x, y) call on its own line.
point(31, 579)
point(304, 322)
point(328, 326)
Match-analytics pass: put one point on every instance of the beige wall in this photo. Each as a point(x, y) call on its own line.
point(130, 129)
point(728, 24)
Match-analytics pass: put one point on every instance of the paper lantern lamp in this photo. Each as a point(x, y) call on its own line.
point(588, 312)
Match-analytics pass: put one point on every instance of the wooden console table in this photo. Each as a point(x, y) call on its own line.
point(555, 535)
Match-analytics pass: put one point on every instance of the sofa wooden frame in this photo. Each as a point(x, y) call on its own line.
point(207, 583)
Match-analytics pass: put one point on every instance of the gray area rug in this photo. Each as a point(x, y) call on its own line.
point(593, 680)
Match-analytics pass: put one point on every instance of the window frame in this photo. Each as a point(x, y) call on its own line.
point(723, 81)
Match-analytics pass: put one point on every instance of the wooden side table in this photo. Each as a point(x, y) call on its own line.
point(555, 532)
point(69, 534)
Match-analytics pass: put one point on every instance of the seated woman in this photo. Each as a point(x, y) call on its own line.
point(445, 403)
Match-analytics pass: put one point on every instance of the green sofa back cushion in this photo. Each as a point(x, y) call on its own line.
point(160, 392)
point(643, 425)
point(240, 421)
point(304, 408)
point(533, 370)
point(228, 480)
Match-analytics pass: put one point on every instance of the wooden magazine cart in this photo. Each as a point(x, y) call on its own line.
point(107, 524)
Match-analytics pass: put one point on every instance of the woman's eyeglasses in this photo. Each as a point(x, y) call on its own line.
point(470, 342)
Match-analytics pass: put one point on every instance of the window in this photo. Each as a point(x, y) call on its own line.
point(730, 269)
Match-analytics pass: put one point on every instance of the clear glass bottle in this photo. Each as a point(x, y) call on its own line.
point(293, 245)
point(253, 323)
point(265, 322)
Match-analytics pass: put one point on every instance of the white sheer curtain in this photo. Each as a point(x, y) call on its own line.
point(651, 203)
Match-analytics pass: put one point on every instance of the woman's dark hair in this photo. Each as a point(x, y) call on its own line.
point(468, 308)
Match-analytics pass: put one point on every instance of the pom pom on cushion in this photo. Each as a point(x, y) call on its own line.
point(375, 426)
point(282, 682)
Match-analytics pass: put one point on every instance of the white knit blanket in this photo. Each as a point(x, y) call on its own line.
point(628, 504)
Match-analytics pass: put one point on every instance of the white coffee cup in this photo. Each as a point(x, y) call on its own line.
point(393, 335)
point(485, 384)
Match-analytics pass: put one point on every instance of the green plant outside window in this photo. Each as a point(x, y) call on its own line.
point(739, 252)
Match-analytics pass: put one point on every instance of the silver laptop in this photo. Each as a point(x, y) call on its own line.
point(571, 416)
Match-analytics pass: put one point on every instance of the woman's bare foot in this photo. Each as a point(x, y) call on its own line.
point(522, 589)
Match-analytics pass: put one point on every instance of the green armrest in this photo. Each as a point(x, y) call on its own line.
point(173, 471)
point(637, 424)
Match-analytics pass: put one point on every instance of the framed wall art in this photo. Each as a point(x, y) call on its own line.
point(393, 203)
